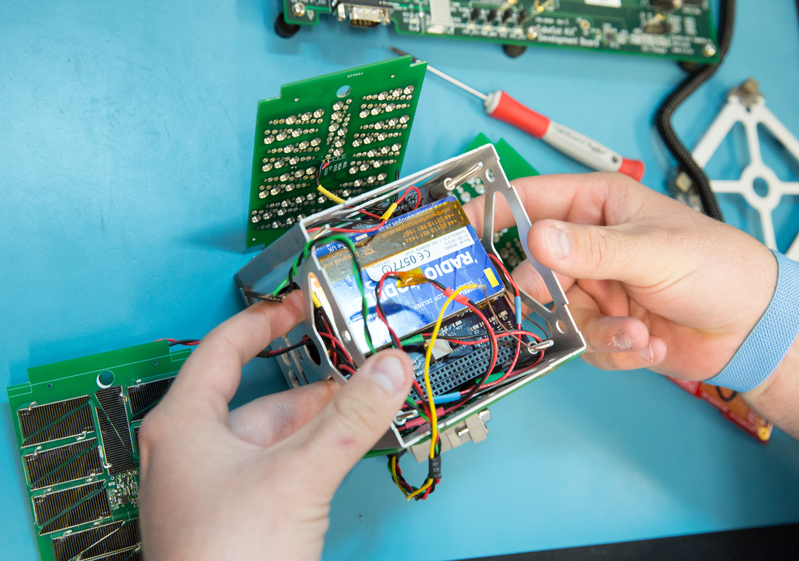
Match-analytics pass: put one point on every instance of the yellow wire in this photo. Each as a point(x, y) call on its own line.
point(394, 476)
point(428, 355)
point(421, 489)
point(329, 195)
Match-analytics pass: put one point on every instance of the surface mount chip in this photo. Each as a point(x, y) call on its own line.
point(356, 121)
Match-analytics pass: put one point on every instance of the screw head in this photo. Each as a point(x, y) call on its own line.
point(299, 9)
point(709, 50)
point(532, 32)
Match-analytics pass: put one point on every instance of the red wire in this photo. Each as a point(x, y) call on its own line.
point(369, 214)
point(505, 271)
point(491, 334)
point(346, 368)
point(184, 342)
point(374, 228)
point(335, 341)
point(418, 196)
point(380, 313)
point(477, 341)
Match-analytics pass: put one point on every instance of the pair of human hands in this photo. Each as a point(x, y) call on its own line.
point(651, 284)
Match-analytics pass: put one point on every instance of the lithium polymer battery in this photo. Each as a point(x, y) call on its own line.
point(436, 239)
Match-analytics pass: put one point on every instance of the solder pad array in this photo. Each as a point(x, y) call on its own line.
point(358, 120)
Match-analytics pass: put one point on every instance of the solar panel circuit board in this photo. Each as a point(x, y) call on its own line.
point(77, 424)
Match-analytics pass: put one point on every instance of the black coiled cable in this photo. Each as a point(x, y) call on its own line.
point(685, 160)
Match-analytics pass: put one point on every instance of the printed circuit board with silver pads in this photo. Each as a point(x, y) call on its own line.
point(345, 132)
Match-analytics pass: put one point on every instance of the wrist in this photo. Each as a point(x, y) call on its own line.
point(770, 340)
point(776, 398)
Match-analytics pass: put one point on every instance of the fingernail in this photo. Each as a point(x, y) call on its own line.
point(648, 354)
point(388, 373)
point(558, 242)
point(622, 341)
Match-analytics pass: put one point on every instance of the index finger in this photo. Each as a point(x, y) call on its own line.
point(212, 373)
point(593, 198)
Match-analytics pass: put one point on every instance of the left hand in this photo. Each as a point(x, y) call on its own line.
point(256, 482)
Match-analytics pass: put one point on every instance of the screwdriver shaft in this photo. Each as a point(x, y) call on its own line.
point(446, 77)
point(458, 83)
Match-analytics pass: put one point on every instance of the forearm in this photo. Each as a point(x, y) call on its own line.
point(778, 397)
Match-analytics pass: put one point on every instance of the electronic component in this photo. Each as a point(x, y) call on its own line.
point(410, 265)
point(53, 421)
point(677, 29)
point(438, 242)
point(63, 464)
point(332, 326)
point(143, 397)
point(345, 132)
point(732, 406)
point(119, 540)
point(462, 364)
point(77, 437)
point(114, 430)
point(60, 510)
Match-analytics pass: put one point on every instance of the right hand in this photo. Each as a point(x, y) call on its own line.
point(651, 283)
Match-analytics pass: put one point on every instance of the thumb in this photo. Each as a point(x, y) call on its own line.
point(594, 252)
point(358, 416)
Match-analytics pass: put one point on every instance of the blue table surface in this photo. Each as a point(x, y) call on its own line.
point(125, 147)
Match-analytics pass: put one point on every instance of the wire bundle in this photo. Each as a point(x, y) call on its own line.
point(699, 180)
point(427, 407)
point(370, 218)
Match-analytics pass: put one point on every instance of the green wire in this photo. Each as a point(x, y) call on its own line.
point(346, 241)
point(364, 305)
point(419, 409)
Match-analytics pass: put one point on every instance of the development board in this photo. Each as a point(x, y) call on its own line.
point(676, 29)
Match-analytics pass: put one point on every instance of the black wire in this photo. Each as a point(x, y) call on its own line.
point(342, 355)
point(269, 354)
point(186, 342)
point(685, 160)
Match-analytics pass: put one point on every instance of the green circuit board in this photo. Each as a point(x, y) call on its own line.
point(358, 121)
point(76, 424)
point(677, 29)
point(506, 241)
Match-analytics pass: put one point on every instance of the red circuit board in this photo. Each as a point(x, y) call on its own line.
point(732, 406)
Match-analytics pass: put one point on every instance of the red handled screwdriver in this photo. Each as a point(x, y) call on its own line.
point(500, 105)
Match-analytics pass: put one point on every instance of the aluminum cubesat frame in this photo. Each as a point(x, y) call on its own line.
point(267, 269)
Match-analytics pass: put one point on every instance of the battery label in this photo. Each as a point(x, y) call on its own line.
point(398, 235)
point(439, 241)
point(422, 255)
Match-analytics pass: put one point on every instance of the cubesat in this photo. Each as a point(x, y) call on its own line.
point(370, 284)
